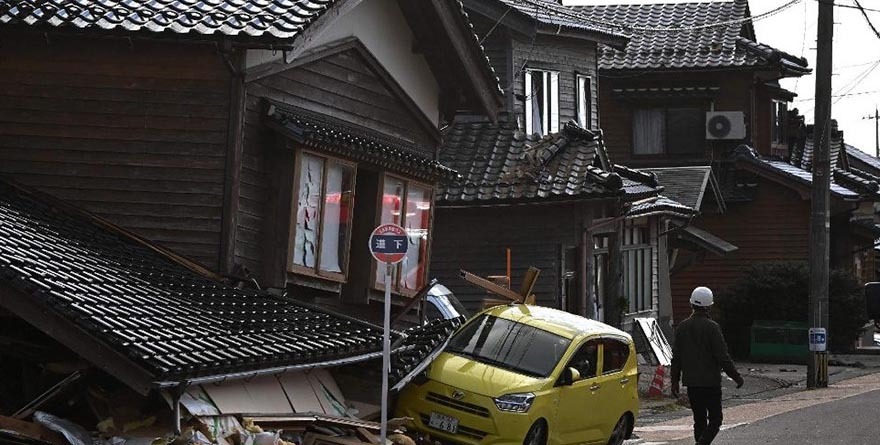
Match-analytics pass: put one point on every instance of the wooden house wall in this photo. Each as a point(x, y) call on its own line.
point(568, 56)
point(132, 131)
point(617, 114)
point(773, 227)
point(341, 86)
point(498, 49)
point(476, 239)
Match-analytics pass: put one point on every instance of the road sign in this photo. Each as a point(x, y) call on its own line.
point(818, 339)
point(388, 243)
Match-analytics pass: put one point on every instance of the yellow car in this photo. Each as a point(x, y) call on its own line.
point(528, 375)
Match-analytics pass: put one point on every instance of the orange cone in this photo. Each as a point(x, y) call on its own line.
point(657, 384)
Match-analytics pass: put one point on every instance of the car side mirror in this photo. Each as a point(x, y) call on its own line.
point(570, 375)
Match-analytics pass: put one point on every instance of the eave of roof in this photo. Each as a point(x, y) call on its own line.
point(788, 174)
point(705, 240)
point(350, 141)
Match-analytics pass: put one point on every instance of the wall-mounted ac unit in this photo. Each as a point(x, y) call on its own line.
point(725, 125)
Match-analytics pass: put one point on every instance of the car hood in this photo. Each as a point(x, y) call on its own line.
point(479, 378)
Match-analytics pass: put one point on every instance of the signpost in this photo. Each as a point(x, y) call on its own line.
point(388, 245)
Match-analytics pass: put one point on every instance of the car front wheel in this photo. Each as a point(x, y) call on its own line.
point(537, 434)
point(618, 434)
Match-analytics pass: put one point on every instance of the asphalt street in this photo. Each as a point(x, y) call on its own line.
point(850, 421)
point(843, 413)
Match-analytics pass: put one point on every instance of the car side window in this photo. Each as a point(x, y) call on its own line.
point(615, 353)
point(586, 359)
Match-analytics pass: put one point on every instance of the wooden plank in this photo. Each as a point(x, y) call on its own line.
point(51, 142)
point(232, 182)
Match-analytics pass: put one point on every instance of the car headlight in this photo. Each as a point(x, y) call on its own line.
point(515, 403)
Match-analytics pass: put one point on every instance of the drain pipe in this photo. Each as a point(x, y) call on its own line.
point(176, 393)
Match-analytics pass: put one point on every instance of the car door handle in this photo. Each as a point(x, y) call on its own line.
point(594, 387)
point(624, 381)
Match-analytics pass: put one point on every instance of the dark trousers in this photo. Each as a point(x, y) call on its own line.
point(706, 405)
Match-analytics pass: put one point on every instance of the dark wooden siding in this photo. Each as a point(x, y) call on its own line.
point(342, 86)
point(566, 55)
point(476, 240)
point(617, 114)
point(498, 48)
point(136, 134)
point(773, 227)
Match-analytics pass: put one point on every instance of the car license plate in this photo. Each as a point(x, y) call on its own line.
point(443, 423)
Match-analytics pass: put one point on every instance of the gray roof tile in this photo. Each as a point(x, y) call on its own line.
point(498, 163)
point(551, 13)
point(720, 46)
point(280, 19)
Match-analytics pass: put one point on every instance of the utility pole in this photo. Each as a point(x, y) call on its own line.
point(820, 218)
point(876, 118)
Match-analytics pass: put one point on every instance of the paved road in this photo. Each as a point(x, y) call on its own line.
point(847, 421)
point(847, 410)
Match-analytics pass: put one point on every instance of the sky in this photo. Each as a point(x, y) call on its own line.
point(856, 58)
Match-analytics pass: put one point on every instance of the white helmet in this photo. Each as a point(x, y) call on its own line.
point(702, 296)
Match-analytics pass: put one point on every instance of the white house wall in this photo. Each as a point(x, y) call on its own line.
point(382, 28)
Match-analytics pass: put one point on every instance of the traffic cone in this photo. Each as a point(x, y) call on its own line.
point(658, 383)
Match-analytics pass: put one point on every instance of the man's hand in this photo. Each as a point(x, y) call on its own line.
point(675, 390)
point(739, 381)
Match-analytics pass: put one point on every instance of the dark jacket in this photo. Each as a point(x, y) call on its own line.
point(700, 353)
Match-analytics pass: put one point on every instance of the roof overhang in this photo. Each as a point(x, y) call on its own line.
point(663, 93)
point(469, 66)
point(352, 142)
point(697, 238)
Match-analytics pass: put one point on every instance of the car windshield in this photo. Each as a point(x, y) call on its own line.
point(510, 345)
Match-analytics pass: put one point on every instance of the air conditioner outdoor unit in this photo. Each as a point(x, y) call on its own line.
point(725, 125)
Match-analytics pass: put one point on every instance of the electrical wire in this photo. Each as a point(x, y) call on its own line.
point(797, 81)
point(867, 19)
point(861, 93)
point(853, 7)
point(647, 29)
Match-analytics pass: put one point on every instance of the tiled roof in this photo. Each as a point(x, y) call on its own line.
point(551, 14)
point(859, 158)
point(662, 205)
point(719, 46)
point(279, 19)
point(498, 163)
point(419, 348)
point(839, 187)
point(803, 156)
point(637, 184)
point(355, 142)
point(163, 317)
point(686, 185)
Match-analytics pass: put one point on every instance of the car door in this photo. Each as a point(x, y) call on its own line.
point(615, 386)
point(578, 408)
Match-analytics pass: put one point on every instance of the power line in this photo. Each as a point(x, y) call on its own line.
point(867, 19)
point(861, 93)
point(646, 29)
point(855, 7)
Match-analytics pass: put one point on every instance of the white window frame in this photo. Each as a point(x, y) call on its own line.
point(316, 270)
point(397, 287)
point(550, 80)
point(584, 101)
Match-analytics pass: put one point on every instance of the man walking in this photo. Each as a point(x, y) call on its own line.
point(700, 354)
